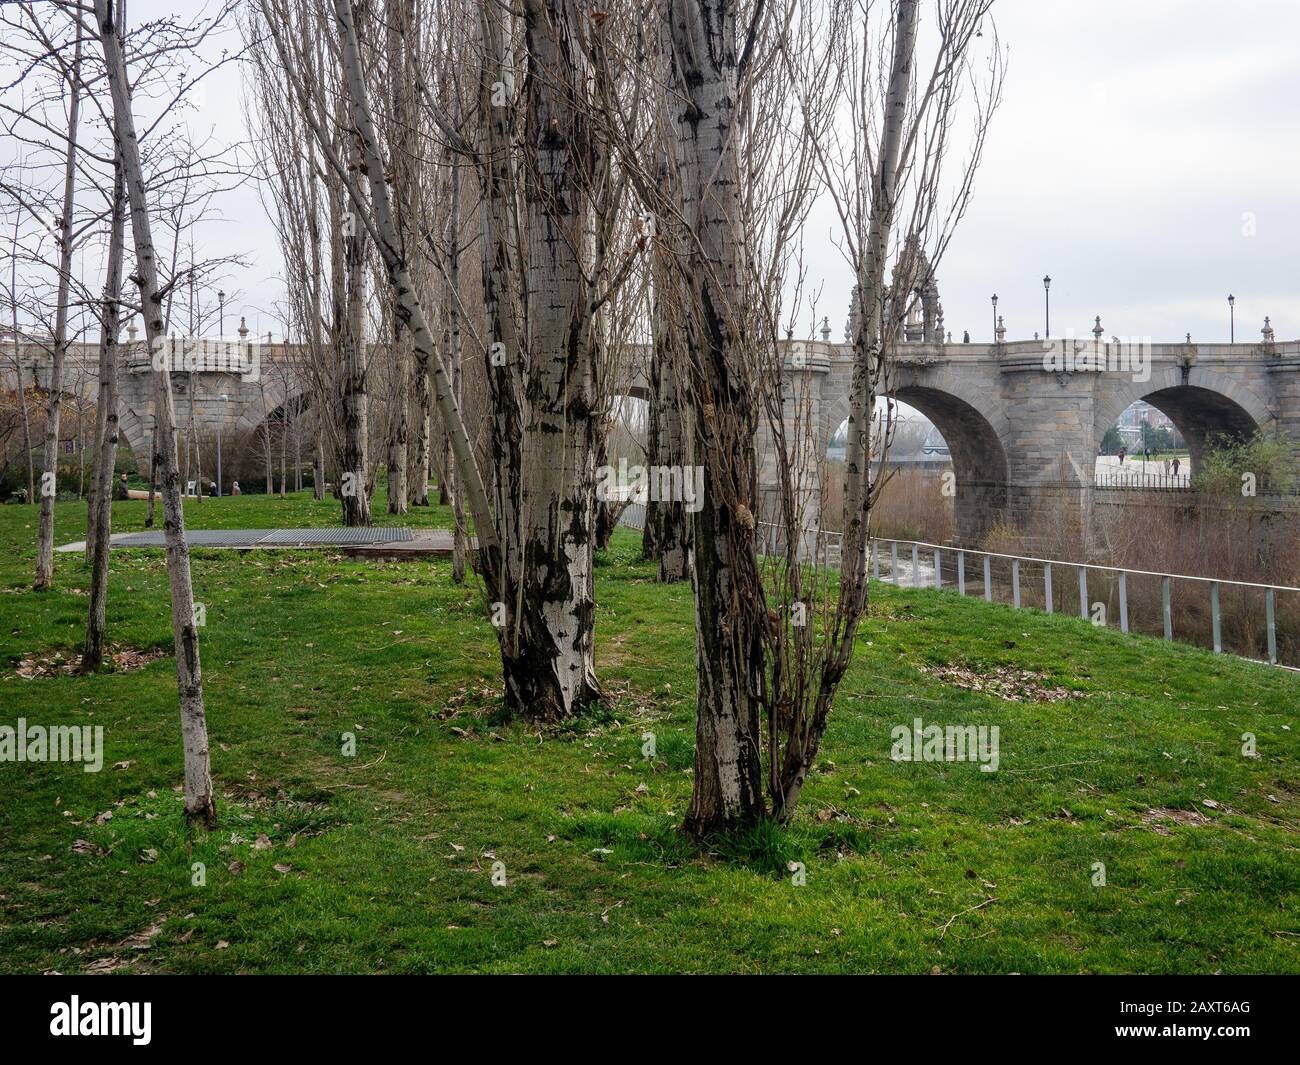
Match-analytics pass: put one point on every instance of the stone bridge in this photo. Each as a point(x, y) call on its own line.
point(235, 385)
point(1023, 419)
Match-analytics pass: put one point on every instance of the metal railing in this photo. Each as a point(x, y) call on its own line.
point(1148, 481)
point(1157, 482)
point(1213, 586)
point(771, 541)
point(633, 516)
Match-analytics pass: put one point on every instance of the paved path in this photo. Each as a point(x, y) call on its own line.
point(390, 542)
point(1141, 473)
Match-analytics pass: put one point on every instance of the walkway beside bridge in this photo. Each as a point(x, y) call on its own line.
point(394, 542)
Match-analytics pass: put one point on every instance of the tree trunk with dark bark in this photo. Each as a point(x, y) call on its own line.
point(730, 612)
point(353, 487)
point(318, 461)
point(460, 538)
point(153, 473)
point(667, 534)
point(399, 431)
point(419, 476)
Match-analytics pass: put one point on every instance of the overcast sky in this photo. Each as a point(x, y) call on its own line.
point(1140, 144)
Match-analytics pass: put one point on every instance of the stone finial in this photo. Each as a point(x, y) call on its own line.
point(243, 327)
point(1001, 331)
point(949, 336)
point(826, 330)
point(1189, 338)
point(1035, 334)
point(131, 331)
point(1097, 330)
point(1267, 331)
point(851, 327)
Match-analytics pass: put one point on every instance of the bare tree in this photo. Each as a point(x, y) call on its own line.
point(49, 475)
point(21, 385)
point(883, 166)
point(751, 121)
point(321, 238)
point(199, 802)
point(99, 527)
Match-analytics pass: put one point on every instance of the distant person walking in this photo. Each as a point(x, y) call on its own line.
point(1177, 463)
point(1166, 467)
point(1122, 452)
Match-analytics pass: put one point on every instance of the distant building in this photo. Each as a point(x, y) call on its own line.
point(1130, 422)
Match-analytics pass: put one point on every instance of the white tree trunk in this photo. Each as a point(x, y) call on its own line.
point(99, 526)
point(868, 340)
point(544, 392)
point(18, 364)
point(199, 803)
point(50, 468)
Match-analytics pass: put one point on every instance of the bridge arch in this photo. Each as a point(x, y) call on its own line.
point(280, 411)
point(1202, 406)
point(980, 466)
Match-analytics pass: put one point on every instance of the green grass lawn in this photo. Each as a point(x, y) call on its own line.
point(383, 862)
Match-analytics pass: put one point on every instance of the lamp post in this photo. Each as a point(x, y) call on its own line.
point(1232, 318)
point(221, 312)
point(1047, 308)
point(221, 421)
point(995, 317)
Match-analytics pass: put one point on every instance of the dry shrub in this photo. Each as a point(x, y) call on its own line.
point(1149, 532)
point(911, 506)
point(1201, 537)
point(1208, 539)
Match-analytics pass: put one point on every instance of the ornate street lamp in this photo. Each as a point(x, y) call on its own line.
point(1047, 308)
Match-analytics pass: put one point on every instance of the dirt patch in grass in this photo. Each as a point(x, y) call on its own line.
point(1159, 818)
point(477, 700)
point(1005, 682)
point(66, 663)
point(878, 611)
point(124, 953)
